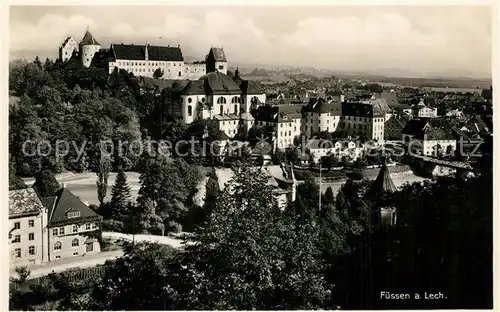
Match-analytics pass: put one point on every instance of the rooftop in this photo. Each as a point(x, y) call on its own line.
point(24, 202)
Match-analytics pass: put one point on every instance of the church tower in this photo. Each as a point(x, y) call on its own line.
point(216, 61)
point(88, 48)
point(382, 214)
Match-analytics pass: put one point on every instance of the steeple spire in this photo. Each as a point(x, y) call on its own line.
point(382, 184)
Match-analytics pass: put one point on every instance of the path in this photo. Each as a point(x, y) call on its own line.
point(99, 258)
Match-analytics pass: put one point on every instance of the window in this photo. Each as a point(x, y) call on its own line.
point(190, 110)
point(17, 239)
point(31, 250)
point(17, 225)
point(58, 257)
point(87, 226)
point(17, 252)
point(221, 112)
point(236, 109)
point(75, 254)
point(31, 236)
point(221, 66)
point(61, 231)
point(54, 232)
point(94, 226)
point(75, 243)
point(235, 100)
point(180, 74)
point(75, 228)
point(74, 214)
point(31, 223)
point(57, 246)
point(221, 100)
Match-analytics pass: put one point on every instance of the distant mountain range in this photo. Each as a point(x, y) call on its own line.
point(263, 69)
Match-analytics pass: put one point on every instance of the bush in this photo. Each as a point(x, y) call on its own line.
point(174, 227)
point(112, 225)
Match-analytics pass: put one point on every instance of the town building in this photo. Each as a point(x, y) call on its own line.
point(393, 127)
point(224, 99)
point(51, 228)
point(27, 228)
point(320, 116)
point(318, 148)
point(281, 123)
point(424, 111)
point(431, 137)
point(67, 49)
point(362, 120)
point(73, 228)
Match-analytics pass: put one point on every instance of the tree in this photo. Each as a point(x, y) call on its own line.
point(158, 73)
point(292, 154)
point(170, 185)
point(149, 220)
point(329, 197)
point(47, 66)
point(148, 277)
point(120, 194)
point(46, 183)
point(102, 179)
point(15, 181)
point(37, 62)
point(251, 257)
point(279, 157)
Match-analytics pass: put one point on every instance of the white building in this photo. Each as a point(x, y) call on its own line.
point(363, 120)
point(222, 98)
point(67, 49)
point(320, 116)
point(430, 137)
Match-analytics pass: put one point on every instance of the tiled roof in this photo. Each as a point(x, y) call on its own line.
point(360, 110)
point(218, 54)
point(194, 87)
point(138, 53)
point(219, 83)
point(88, 39)
point(226, 117)
point(250, 87)
point(320, 144)
point(414, 126)
point(24, 202)
point(68, 202)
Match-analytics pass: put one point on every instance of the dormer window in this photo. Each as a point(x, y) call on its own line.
point(73, 214)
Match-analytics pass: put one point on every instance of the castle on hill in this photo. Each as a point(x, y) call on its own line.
point(141, 60)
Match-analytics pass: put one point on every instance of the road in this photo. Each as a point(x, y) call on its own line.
point(84, 185)
point(99, 258)
point(398, 179)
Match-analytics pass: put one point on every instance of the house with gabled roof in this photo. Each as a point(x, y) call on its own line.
point(73, 228)
point(431, 136)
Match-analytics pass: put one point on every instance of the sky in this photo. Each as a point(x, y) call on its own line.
point(427, 40)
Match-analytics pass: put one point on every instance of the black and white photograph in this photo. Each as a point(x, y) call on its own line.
point(249, 155)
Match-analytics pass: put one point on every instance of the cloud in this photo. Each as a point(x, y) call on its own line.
point(461, 38)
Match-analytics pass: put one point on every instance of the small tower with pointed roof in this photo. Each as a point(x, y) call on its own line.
point(382, 214)
point(88, 48)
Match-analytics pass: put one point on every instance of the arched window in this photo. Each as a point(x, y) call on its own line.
point(235, 100)
point(57, 246)
point(190, 100)
point(254, 100)
point(190, 111)
point(75, 243)
point(236, 109)
point(221, 100)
